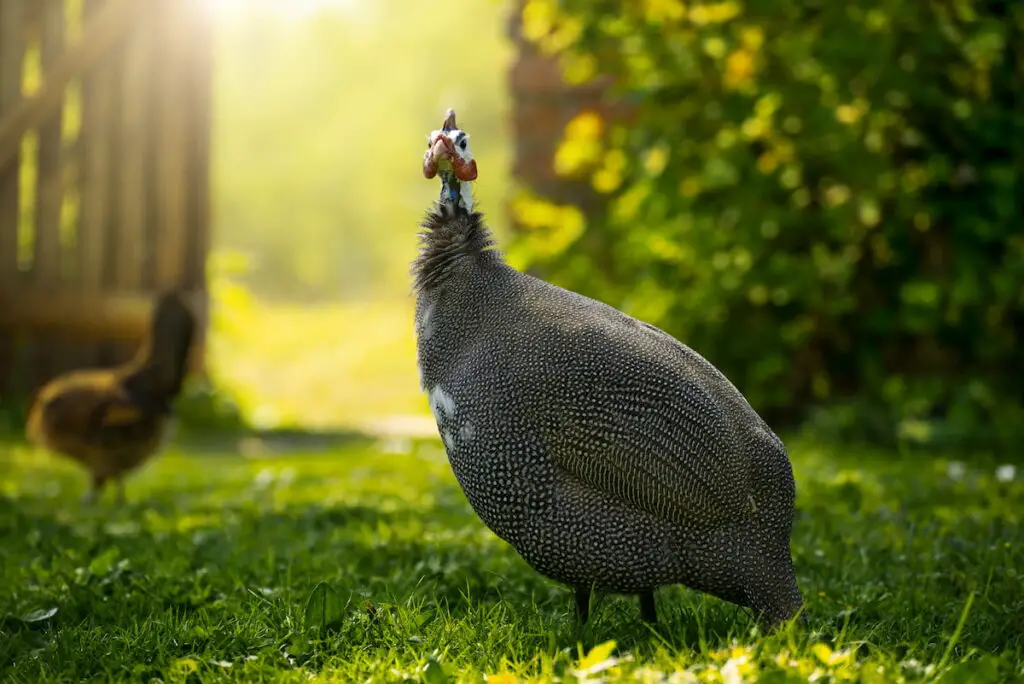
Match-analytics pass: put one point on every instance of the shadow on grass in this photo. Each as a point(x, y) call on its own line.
point(270, 442)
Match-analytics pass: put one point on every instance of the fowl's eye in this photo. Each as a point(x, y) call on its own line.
point(462, 144)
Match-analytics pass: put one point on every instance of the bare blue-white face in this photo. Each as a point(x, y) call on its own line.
point(448, 149)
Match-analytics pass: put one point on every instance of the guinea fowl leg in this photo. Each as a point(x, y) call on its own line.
point(648, 609)
point(582, 603)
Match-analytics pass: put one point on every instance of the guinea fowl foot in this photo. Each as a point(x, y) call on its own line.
point(582, 603)
point(648, 608)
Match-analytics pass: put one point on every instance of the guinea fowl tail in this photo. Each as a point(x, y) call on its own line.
point(162, 363)
point(776, 596)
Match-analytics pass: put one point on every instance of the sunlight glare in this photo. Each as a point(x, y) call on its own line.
point(226, 10)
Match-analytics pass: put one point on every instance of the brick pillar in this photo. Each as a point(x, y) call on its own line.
point(541, 105)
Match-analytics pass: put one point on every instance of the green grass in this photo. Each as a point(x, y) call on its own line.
point(213, 572)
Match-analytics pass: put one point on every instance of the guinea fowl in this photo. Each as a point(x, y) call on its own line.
point(611, 456)
point(113, 420)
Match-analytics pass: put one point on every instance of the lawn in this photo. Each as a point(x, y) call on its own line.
point(356, 366)
point(365, 562)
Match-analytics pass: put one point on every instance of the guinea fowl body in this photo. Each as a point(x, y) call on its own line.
point(607, 453)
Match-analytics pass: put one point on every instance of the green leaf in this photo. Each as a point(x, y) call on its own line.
point(325, 608)
point(984, 669)
point(433, 672)
point(599, 658)
point(41, 615)
point(34, 620)
point(104, 563)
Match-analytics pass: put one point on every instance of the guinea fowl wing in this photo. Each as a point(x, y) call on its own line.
point(635, 414)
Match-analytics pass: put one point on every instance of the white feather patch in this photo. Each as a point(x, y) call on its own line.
point(441, 404)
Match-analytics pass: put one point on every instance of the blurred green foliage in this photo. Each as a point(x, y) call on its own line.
point(320, 121)
point(823, 198)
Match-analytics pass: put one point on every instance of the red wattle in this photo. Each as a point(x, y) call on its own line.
point(464, 171)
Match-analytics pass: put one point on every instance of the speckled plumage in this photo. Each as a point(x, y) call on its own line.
point(606, 452)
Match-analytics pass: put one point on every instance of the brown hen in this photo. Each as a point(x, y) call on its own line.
point(113, 420)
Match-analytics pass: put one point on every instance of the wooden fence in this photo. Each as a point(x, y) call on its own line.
point(104, 191)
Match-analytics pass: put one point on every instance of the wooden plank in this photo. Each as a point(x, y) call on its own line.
point(12, 49)
point(46, 266)
point(19, 379)
point(199, 108)
point(99, 36)
point(68, 353)
point(53, 311)
point(198, 217)
point(171, 157)
point(153, 224)
point(111, 185)
point(132, 250)
point(99, 95)
point(103, 316)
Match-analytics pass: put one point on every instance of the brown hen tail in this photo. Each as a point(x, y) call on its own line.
point(159, 369)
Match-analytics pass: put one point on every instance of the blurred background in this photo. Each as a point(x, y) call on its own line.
point(824, 199)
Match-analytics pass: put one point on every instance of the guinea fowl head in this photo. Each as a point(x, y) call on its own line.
point(449, 156)
point(453, 234)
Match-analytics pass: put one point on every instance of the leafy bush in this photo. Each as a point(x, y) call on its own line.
point(823, 198)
